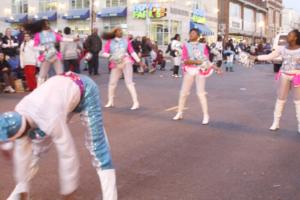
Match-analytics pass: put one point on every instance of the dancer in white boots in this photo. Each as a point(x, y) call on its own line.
point(289, 76)
point(196, 68)
point(121, 54)
point(40, 119)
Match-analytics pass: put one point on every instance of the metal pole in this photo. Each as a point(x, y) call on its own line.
point(92, 15)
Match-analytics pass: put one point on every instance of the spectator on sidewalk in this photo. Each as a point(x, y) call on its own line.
point(94, 45)
point(5, 74)
point(28, 61)
point(70, 52)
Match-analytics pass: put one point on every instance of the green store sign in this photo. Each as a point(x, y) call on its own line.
point(140, 11)
point(198, 16)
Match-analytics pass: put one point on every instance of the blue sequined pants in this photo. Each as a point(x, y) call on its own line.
point(91, 115)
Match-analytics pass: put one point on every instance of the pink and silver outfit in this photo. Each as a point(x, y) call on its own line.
point(121, 58)
point(289, 77)
point(45, 42)
point(194, 51)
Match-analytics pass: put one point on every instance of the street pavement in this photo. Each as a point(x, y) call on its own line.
point(235, 157)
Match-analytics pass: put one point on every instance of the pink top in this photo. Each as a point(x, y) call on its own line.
point(37, 42)
point(127, 58)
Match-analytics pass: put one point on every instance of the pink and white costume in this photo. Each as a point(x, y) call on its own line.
point(121, 54)
point(194, 51)
point(45, 42)
point(288, 76)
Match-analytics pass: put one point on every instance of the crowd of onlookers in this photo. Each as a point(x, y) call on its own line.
point(18, 55)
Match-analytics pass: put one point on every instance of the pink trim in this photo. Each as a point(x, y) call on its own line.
point(185, 54)
point(37, 40)
point(206, 51)
point(107, 47)
point(58, 37)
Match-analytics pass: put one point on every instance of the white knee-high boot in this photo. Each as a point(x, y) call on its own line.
point(108, 184)
point(297, 105)
point(111, 95)
point(203, 102)
point(279, 106)
point(181, 104)
point(132, 91)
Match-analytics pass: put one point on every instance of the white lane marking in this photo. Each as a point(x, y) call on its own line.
point(175, 108)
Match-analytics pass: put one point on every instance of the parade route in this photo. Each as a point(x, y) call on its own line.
point(235, 157)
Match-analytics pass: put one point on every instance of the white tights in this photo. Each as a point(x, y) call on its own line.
point(285, 86)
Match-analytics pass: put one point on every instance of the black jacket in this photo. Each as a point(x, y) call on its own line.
point(93, 43)
point(10, 51)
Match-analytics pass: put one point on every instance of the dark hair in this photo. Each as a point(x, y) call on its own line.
point(176, 36)
point(67, 30)
point(35, 27)
point(195, 30)
point(220, 38)
point(296, 31)
point(110, 35)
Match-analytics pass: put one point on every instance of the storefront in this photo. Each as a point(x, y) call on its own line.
point(159, 22)
point(114, 17)
point(78, 20)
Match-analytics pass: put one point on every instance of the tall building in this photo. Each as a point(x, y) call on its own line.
point(243, 20)
point(274, 17)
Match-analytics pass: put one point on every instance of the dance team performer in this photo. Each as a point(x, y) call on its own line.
point(40, 118)
point(289, 76)
point(46, 41)
point(197, 68)
point(120, 53)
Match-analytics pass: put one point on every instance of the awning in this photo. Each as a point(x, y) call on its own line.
point(113, 12)
point(77, 14)
point(204, 29)
point(49, 15)
point(18, 18)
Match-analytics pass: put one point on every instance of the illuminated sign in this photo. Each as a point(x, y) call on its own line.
point(154, 11)
point(198, 16)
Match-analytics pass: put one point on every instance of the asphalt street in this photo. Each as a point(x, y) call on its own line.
point(235, 157)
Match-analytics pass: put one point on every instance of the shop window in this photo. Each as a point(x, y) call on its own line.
point(19, 6)
point(160, 32)
point(111, 23)
point(116, 3)
point(79, 4)
point(47, 5)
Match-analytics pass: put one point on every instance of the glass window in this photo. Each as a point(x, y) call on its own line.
point(47, 5)
point(19, 6)
point(80, 4)
point(116, 3)
point(160, 32)
point(249, 24)
point(235, 10)
point(110, 23)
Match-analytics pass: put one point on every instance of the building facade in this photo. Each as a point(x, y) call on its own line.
point(290, 20)
point(274, 17)
point(160, 19)
point(243, 20)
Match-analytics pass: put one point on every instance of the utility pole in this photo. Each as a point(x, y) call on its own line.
point(92, 14)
